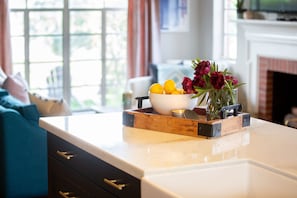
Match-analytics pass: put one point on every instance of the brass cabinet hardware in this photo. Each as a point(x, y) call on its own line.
point(66, 194)
point(65, 154)
point(113, 183)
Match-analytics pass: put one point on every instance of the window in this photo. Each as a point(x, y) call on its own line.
point(230, 30)
point(74, 49)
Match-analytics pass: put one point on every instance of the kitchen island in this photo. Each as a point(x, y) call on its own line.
point(141, 153)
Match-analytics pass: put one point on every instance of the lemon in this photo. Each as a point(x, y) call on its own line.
point(156, 88)
point(178, 91)
point(175, 92)
point(169, 86)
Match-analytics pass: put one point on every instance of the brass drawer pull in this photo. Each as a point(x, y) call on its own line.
point(65, 154)
point(66, 194)
point(113, 183)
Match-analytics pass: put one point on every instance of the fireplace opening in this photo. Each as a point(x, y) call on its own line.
point(284, 95)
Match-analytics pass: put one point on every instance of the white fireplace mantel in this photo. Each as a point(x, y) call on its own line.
point(276, 39)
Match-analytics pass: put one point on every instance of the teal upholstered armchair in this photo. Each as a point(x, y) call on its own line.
point(23, 150)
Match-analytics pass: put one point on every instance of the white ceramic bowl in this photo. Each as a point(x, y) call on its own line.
point(165, 103)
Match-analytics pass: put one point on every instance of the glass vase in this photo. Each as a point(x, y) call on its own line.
point(218, 99)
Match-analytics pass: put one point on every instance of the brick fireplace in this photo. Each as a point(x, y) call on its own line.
point(267, 68)
point(265, 49)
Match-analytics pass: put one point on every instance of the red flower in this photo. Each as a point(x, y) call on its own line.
point(208, 78)
point(233, 80)
point(199, 82)
point(203, 67)
point(217, 80)
point(187, 85)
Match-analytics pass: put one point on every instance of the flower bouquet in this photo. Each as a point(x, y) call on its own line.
point(218, 88)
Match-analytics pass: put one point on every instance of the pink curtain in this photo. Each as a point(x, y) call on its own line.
point(5, 45)
point(143, 36)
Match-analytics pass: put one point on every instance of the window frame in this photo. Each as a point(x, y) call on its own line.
point(219, 31)
point(227, 22)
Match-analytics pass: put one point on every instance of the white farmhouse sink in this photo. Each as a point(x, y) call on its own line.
point(241, 179)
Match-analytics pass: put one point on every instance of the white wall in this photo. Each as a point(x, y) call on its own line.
point(197, 42)
point(205, 28)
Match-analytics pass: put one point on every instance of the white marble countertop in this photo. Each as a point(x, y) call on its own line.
point(142, 152)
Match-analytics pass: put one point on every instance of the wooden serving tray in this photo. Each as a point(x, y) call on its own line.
point(148, 119)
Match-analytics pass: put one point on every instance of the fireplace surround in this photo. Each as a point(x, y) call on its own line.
point(263, 47)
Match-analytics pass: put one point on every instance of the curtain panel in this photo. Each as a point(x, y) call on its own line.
point(143, 36)
point(5, 42)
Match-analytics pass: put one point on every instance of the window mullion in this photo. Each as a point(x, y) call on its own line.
point(66, 54)
point(103, 58)
point(27, 50)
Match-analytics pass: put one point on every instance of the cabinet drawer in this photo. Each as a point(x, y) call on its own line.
point(96, 170)
point(67, 183)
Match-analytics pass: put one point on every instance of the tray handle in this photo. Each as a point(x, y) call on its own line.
point(139, 101)
point(225, 111)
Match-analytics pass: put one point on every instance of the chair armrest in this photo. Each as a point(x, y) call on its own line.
point(139, 87)
point(23, 156)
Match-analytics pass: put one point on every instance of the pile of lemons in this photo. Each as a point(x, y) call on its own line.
point(169, 87)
